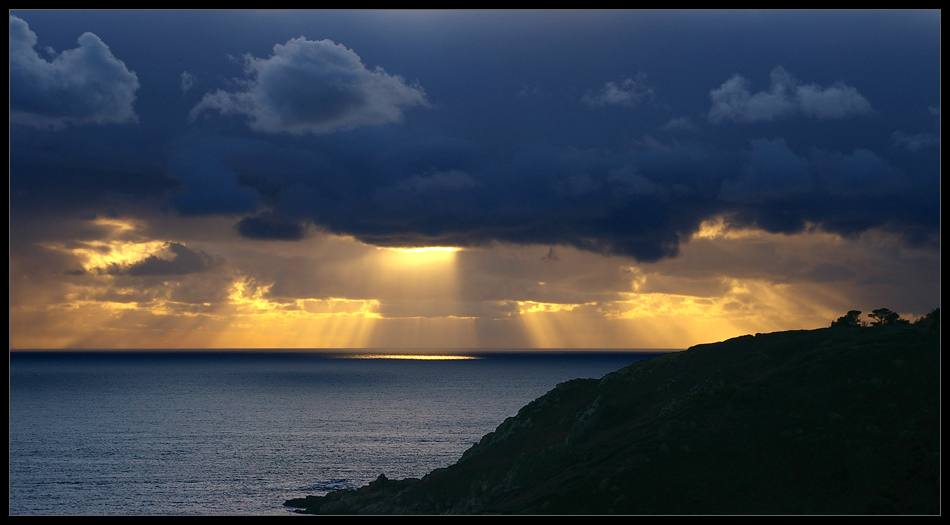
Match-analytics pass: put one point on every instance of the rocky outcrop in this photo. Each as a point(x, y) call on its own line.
point(828, 421)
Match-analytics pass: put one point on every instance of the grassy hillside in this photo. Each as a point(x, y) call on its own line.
point(840, 420)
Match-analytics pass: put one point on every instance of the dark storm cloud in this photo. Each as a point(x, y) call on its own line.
point(323, 139)
point(208, 186)
point(86, 85)
point(773, 171)
point(642, 203)
point(313, 87)
point(267, 226)
point(783, 191)
point(637, 203)
point(451, 180)
point(860, 173)
point(182, 261)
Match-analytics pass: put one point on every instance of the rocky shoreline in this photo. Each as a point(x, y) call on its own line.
point(839, 420)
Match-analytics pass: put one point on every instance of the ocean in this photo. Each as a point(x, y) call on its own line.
point(238, 433)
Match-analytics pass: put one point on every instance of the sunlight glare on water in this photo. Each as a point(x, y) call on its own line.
point(423, 357)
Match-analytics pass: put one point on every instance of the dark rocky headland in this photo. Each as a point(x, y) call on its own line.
point(840, 420)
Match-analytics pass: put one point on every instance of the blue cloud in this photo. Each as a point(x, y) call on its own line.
point(629, 93)
point(86, 85)
point(785, 97)
point(313, 87)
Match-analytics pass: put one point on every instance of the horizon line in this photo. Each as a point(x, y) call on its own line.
point(360, 351)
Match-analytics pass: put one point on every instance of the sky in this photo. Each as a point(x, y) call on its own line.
point(467, 179)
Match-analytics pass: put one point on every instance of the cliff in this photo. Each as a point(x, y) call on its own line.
point(838, 420)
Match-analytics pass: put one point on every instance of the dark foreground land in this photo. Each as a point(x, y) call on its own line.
point(838, 420)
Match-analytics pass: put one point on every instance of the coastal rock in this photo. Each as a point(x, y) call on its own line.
point(800, 422)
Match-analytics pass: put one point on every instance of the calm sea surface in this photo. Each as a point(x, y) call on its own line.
point(239, 433)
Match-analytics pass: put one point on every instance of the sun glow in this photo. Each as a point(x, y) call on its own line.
point(431, 257)
point(530, 307)
point(119, 248)
point(426, 249)
point(354, 295)
point(420, 274)
point(102, 256)
point(718, 228)
point(251, 297)
point(557, 325)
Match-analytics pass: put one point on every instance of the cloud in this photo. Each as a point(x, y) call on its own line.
point(85, 85)
point(446, 180)
point(626, 183)
point(679, 124)
point(772, 172)
point(779, 191)
point(313, 87)
point(825, 272)
point(836, 101)
point(600, 203)
point(186, 81)
point(785, 97)
point(638, 203)
point(862, 173)
point(914, 142)
point(208, 185)
point(919, 141)
point(629, 93)
point(267, 226)
point(183, 261)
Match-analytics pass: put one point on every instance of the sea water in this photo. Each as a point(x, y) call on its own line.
point(238, 433)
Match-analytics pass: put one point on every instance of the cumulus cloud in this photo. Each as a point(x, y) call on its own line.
point(85, 85)
point(836, 101)
point(307, 86)
point(785, 97)
point(629, 93)
point(732, 101)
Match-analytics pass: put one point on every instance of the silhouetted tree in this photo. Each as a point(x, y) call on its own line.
point(848, 319)
point(931, 321)
point(885, 317)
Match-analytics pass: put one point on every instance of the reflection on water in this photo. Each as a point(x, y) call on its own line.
point(425, 357)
